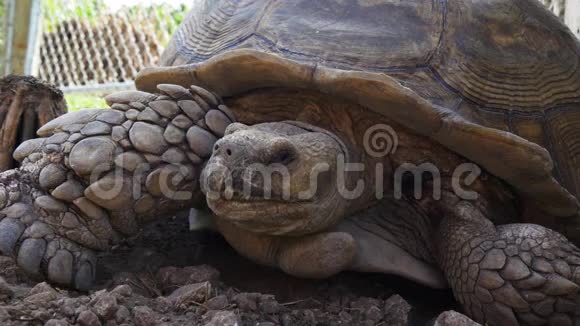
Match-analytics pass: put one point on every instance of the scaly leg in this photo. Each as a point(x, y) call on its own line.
point(99, 175)
point(517, 274)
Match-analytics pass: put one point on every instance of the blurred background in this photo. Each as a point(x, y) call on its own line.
point(90, 48)
point(87, 48)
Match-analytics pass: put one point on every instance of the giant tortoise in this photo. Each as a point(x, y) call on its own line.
point(435, 140)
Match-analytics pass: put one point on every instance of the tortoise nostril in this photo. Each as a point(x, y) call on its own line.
point(229, 152)
point(216, 147)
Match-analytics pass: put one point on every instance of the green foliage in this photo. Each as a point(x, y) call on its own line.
point(164, 18)
point(61, 10)
point(84, 101)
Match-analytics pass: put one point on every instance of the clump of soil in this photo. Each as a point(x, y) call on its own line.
point(170, 276)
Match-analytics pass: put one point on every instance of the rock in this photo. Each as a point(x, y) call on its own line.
point(168, 109)
point(247, 301)
point(453, 318)
point(123, 290)
point(50, 204)
point(224, 318)
point(51, 176)
point(397, 311)
point(106, 306)
point(60, 267)
point(170, 277)
point(148, 138)
point(113, 192)
point(57, 322)
point(374, 314)
point(68, 191)
point(40, 288)
point(68, 306)
point(88, 318)
point(123, 315)
point(144, 316)
point(190, 294)
point(269, 305)
point(217, 122)
point(173, 135)
point(96, 128)
point(41, 299)
point(219, 302)
point(92, 154)
point(112, 116)
point(201, 141)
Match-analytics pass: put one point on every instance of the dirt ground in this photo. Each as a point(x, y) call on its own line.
point(170, 276)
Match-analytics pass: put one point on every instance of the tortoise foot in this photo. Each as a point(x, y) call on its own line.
point(47, 239)
point(524, 274)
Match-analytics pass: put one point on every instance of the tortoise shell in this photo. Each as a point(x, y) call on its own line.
point(496, 81)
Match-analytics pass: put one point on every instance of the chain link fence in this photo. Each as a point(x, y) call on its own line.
point(89, 46)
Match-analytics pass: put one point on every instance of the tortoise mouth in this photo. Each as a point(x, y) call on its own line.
point(265, 216)
point(255, 208)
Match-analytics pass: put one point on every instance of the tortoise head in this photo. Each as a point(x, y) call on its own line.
point(276, 178)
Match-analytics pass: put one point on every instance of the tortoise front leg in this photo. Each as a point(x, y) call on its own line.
point(311, 256)
point(517, 274)
point(99, 175)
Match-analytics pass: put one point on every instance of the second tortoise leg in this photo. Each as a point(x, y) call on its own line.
point(516, 274)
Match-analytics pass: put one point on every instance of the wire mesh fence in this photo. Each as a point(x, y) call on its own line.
point(89, 46)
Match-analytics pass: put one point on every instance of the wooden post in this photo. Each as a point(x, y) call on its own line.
point(25, 105)
point(20, 34)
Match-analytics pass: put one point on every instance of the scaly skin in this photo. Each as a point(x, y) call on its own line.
point(98, 175)
point(513, 274)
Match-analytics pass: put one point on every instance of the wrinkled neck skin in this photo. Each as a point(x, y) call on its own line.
point(395, 215)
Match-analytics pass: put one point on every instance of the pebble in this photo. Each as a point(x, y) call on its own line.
point(88, 318)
